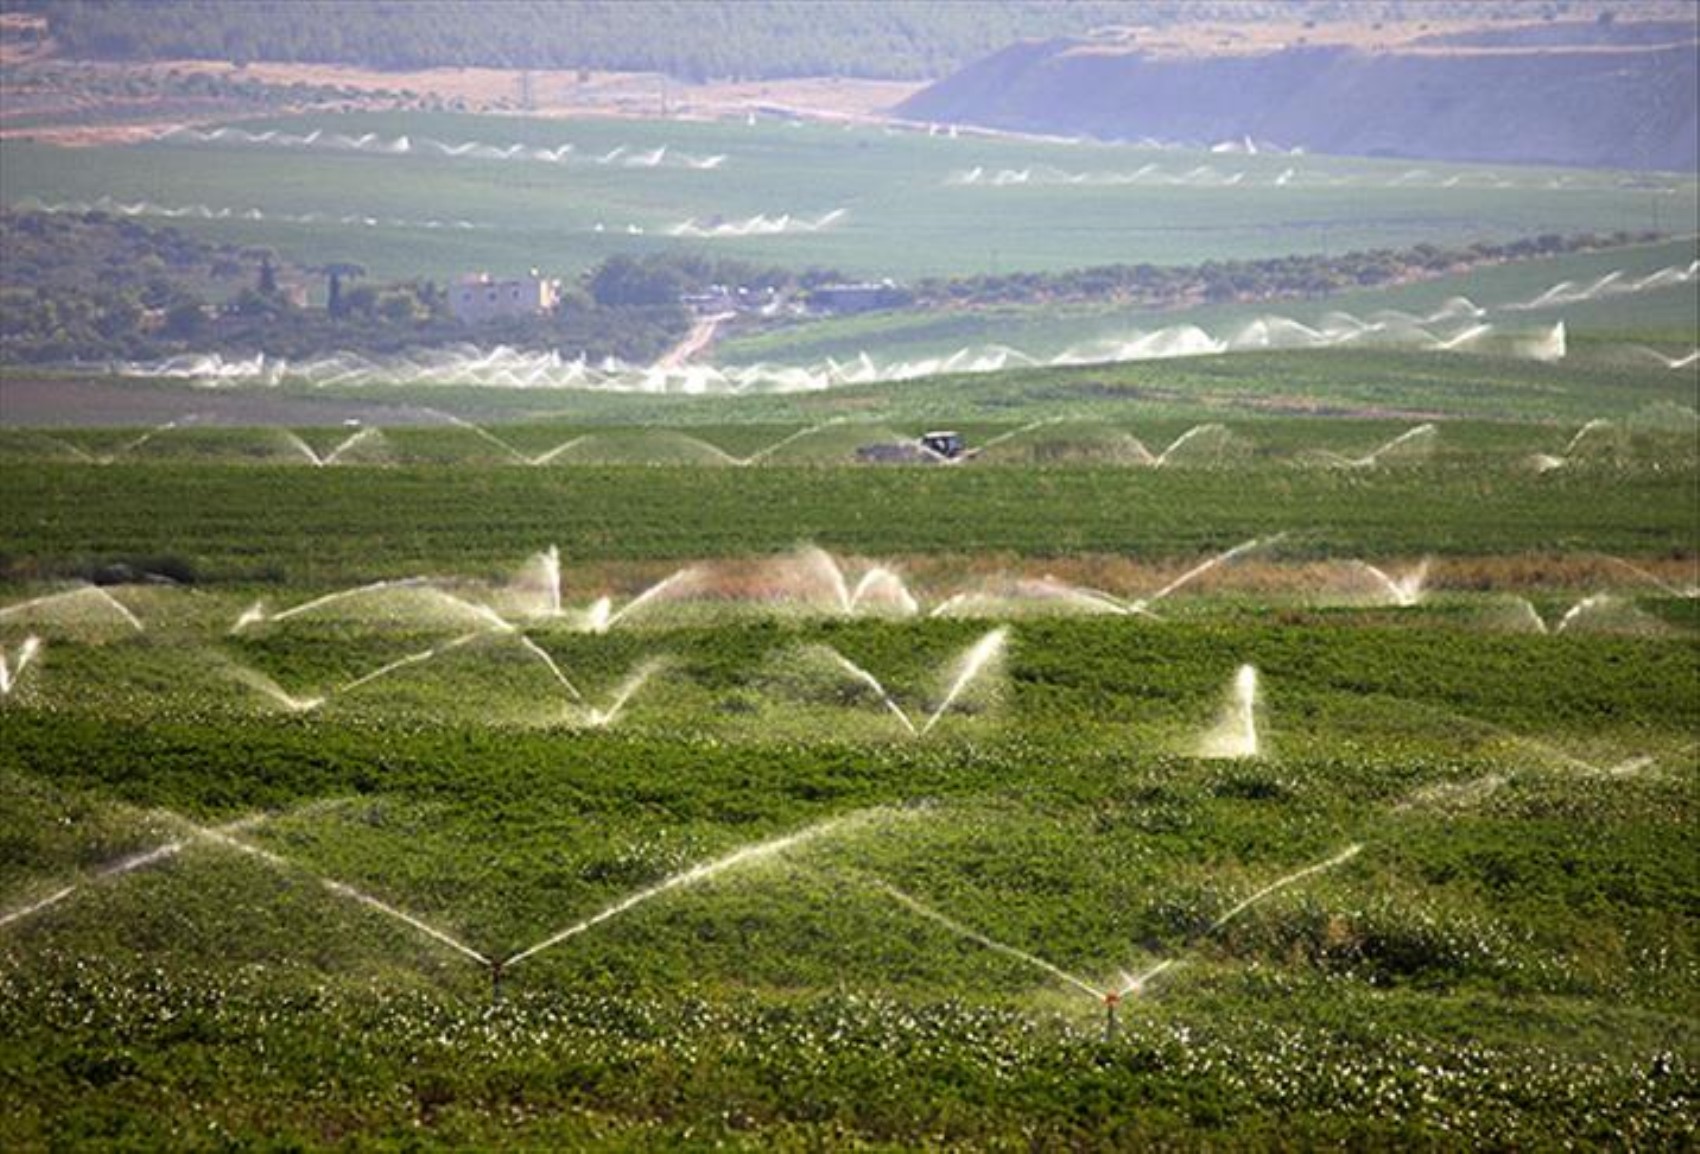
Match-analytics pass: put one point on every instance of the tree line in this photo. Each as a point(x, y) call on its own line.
point(690, 39)
point(1300, 275)
point(98, 287)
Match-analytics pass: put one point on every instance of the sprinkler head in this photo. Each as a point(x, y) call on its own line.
point(1112, 999)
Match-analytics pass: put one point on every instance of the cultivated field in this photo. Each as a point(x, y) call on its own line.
point(1312, 779)
point(1650, 291)
point(1287, 744)
point(436, 195)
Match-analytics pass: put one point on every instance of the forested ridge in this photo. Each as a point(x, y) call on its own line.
point(691, 39)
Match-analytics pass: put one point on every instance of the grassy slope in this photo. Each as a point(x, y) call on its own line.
point(905, 218)
point(1660, 315)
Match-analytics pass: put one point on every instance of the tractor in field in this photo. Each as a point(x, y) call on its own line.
point(942, 447)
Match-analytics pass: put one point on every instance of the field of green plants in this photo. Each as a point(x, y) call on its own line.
point(342, 524)
point(1663, 315)
point(1290, 747)
point(437, 195)
point(1331, 782)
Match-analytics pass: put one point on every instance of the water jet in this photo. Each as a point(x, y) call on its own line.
point(11, 673)
point(1404, 591)
point(601, 616)
point(1235, 734)
point(983, 653)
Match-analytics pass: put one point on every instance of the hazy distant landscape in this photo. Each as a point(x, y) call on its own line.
point(834, 575)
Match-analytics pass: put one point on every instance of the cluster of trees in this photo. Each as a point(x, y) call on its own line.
point(203, 85)
point(1248, 280)
point(662, 277)
point(691, 39)
point(98, 287)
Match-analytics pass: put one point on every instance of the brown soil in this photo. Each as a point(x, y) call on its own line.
point(1220, 39)
point(73, 120)
point(28, 401)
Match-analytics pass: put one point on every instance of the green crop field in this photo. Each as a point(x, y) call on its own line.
point(1287, 745)
point(1619, 377)
point(439, 195)
point(435, 799)
point(344, 523)
point(1597, 307)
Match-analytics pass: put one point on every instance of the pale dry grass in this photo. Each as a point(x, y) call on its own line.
point(932, 578)
point(80, 120)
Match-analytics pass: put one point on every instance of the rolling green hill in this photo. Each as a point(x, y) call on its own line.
point(437, 195)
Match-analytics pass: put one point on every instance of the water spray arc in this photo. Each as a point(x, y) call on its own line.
point(746, 855)
point(12, 669)
point(763, 453)
point(1406, 590)
point(1199, 570)
point(259, 682)
point(1525, 617)
point(55, 601)
point(1132, 985)
point(1419, 438)
point(817, 566)
point(1181, 442)
point(916, 906)
point(294, 441)
point(602, 616)
point(411, 659)
point(872, 682)
point(135, 443)
point(970, 666)
point(1683, 361)
point(627, 689)
point(544, 569)
point(983, 652)
point(554, 667)
point(226, 837)
point(509, 367)
point(124, 865)
point(1282, 883)
point(256, 614)
point(1686, 592)
point(1096, 600)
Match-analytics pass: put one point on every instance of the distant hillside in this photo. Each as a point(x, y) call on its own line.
point(696, 39)
point(1592, 106)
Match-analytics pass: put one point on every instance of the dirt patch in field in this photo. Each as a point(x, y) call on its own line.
point(73, 118)
point(46, 402)
point(591, 93)
point(1266, 579)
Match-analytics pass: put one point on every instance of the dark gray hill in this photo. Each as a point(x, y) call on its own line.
point(1593, 107)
